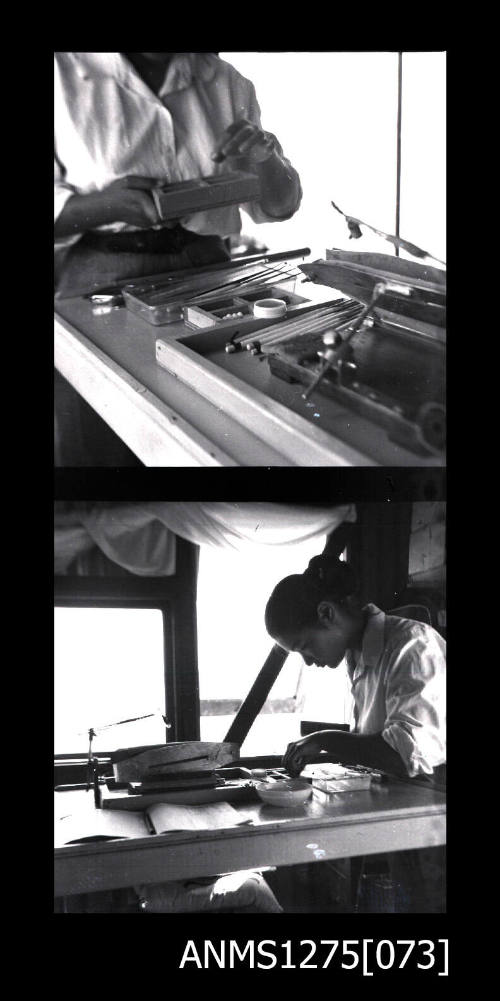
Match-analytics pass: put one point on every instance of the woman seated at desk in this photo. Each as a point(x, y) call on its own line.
point(397, 672)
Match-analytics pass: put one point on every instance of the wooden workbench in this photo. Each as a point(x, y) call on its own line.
point(110, 361)
point(392, 817)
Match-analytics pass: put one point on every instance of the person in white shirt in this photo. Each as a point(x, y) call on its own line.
point(396, 667)
point(397, 670)
point(128, 122)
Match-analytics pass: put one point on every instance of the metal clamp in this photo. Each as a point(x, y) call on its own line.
point(334, 356)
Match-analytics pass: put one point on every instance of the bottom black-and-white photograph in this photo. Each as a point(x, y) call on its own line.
point(250, 707)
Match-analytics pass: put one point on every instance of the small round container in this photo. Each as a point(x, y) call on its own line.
point(269, 308)
point(289, 792)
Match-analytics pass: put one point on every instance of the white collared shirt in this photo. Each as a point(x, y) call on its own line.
point(399, 688)
point(109, 124)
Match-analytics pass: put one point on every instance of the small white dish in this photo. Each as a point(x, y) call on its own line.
point(286, 792)
point(269, 308)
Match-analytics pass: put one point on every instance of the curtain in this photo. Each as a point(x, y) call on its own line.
point(141, 537)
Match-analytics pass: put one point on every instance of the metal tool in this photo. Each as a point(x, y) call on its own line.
point(93, 762)
point(334, 356)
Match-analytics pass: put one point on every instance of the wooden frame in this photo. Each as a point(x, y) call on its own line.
point(154, 431)
point(175, 597)
point(301, 443)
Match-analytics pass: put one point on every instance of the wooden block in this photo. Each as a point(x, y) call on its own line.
point(203, 193)
point(177, 756)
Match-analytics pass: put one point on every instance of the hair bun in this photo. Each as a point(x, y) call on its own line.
point(323, 572)
point(316, 570)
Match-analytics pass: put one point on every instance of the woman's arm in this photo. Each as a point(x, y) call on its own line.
point(279, 185)
point(125, 200)
point(370, 750)
point(248, 147)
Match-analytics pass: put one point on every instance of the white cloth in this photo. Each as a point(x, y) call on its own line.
point(109, 124)
point(236, 891)
point(235, 526)
point(141, 537)
point(399, 688)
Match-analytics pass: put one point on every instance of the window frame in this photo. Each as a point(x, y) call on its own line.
point(175, 597)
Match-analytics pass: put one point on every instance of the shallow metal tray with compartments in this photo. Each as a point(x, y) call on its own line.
point(236, 310)
point(168, 302)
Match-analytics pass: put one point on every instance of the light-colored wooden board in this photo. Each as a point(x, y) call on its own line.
point(158, 435)
point(300, 442)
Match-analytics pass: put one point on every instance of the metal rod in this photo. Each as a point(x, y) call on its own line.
point(341, 349)
point(398, 150)
point(336, 322)
point(292, 328)
point(188, 288)
point(156, 280)
point(234, 280)
point(290, 324)
point(271, 277)
point(315, 328)
point(97, 729)
point(322, 372)
point(313, 308)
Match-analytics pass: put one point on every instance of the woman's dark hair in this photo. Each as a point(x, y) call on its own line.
point(294, 601)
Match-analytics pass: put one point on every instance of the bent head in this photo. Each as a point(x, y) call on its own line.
point(317, 613)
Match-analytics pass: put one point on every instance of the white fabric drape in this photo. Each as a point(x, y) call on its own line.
point(141, 537)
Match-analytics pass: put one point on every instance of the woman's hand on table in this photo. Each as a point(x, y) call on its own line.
point(300, 752)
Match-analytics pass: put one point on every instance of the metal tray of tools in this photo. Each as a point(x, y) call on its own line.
point(161, 300)
point(320, 431)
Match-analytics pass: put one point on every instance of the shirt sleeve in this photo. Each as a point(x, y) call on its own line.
point(415, 723)
point(62, 191)
point(253, 209)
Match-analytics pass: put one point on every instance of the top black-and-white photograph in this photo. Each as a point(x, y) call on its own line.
point(250, 259)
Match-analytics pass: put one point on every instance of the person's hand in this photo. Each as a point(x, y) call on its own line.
point(129, 200)
point(242, 138)
point(300, 752)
